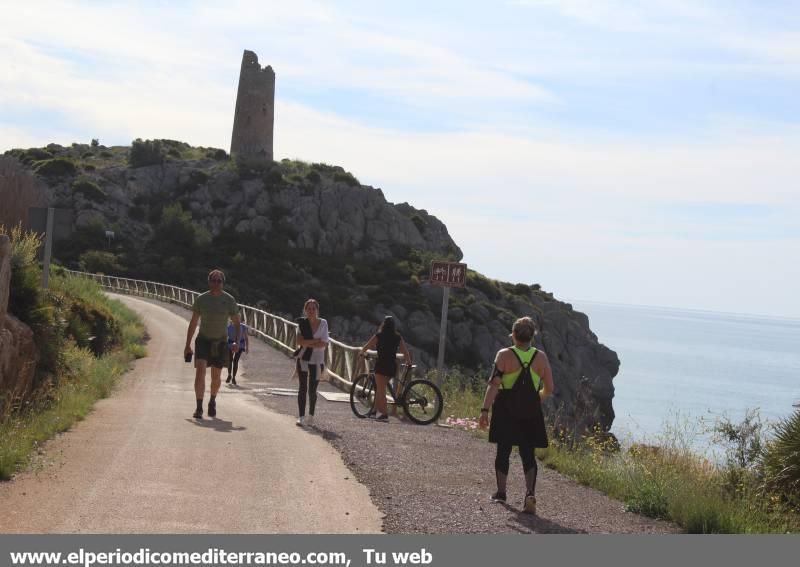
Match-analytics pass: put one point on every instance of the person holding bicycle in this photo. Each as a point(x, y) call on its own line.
point(508, 427)
point(386, 341)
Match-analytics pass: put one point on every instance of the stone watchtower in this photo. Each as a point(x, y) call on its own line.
point(255, 110)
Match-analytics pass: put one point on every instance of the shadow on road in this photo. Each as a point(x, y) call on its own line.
point(526, 523)
point(217, 424)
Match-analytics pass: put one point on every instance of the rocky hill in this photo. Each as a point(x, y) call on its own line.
point(284, 231)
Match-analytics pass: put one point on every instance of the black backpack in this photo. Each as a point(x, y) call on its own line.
point(523, 397)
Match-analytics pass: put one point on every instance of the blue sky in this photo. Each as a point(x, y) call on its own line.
point(628, 152)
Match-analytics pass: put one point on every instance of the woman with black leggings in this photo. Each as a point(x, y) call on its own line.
point(310, 360)
point(511, 426)
point(387, 341)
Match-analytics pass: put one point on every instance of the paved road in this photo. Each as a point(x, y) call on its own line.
point(140, 464)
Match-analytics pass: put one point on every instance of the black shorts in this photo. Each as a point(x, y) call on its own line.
point(214, 352)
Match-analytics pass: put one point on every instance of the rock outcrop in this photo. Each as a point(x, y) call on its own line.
point(17, 348)
point(324, 212)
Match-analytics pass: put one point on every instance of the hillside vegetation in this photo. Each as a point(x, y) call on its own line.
point(284, 231)
point(84, 343)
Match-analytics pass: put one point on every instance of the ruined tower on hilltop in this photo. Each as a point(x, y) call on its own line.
point(255, 110)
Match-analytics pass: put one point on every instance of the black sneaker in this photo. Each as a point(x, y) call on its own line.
point(499, 496)
point(233, 381)
point(198, 414)
point(383, 417)
point(228, 380)
point(212, 408)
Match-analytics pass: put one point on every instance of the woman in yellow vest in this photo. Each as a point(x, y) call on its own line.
point(508, 428)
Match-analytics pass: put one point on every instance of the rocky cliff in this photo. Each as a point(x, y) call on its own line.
point(287, 230)
point(17, 349)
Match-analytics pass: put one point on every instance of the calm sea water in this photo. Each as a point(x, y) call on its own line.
point(681, 367)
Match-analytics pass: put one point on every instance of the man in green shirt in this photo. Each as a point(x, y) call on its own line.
point(212, 309)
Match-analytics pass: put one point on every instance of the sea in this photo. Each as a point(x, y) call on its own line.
point(682, 371)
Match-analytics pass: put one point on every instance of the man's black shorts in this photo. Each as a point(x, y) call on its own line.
point(214, 352)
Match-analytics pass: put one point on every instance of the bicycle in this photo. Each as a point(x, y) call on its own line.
point(420, 399)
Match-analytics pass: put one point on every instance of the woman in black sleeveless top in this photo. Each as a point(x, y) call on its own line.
point(387, 341)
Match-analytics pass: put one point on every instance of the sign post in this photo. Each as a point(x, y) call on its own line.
point(48, 248)
point(55, 224)
point(446, 275)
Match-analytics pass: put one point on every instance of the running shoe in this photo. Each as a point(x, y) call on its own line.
point(212, 408)
point(198, 414)
point(233, 381)
point(383, 417)
point(530, 504)
point(499, 496)
point(310, 421)
point(300, 421)
point(228, 380)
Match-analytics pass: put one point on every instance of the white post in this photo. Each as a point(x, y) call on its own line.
point(442, 335)
point(48, 248)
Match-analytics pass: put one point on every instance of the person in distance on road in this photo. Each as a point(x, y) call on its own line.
point(387, 341)
point(310, 361)
point(212, 310)
point(514, 423)
point(233, 358)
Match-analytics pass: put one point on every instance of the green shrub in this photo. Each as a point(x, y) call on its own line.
point(98, 261)
point(219, 155)
point(146, 152)
point(99, 331)
point(483, 284)
point(28, 302)
point(781, 461)
point(35, 154)
point(196, 178)
point(347, 178)
point(55, 167)
point(89, 188)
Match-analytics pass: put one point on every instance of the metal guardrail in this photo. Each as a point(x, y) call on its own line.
point(342, 361)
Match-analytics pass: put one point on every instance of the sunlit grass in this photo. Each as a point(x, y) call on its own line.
point(81, 381)
point(662, 479)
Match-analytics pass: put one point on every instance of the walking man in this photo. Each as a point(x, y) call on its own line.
point(212, 309)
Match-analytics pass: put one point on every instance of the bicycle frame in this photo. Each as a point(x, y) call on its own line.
point(420, 399)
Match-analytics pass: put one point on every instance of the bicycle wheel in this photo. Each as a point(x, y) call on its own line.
point(362, 395)
point(422, 402)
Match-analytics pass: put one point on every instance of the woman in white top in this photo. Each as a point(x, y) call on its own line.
point(310, 368)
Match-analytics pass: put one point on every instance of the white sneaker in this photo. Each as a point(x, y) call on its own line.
point(310, 420)
point(300, 421)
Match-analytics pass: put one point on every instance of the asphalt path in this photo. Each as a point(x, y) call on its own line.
point(139, 463)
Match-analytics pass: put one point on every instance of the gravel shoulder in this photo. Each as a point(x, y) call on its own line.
point(431, 479)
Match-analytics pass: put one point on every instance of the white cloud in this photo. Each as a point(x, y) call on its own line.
point(117, 73)
point(747, 168)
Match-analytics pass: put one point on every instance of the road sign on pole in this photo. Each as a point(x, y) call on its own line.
point(446, 275)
